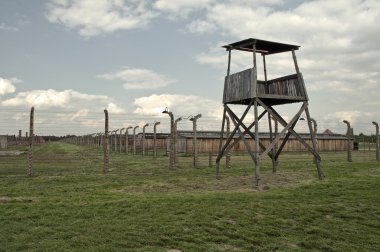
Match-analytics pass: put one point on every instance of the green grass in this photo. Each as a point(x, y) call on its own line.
point(141, 205)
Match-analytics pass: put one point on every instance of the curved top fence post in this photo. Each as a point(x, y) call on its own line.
point(105, 143)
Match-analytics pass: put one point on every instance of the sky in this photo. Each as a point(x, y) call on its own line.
point(71, 59)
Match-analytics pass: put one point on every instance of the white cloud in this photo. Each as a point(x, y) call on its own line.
point(62, 122)
point(61, 112)
point(308, 20)
point(15, 80)
point(44, 99)
point(5, 27)
point(137, 78)
point(114, 108)
point(201, 27)
point(181, 8)
point(184, 105)
point(6, 86)
point(80, 113)
point(92, 18)
point(50, 98)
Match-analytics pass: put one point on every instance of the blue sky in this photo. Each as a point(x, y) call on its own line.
point(138, 57)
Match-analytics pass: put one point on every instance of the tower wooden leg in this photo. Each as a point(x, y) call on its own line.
point(220, 143)
point(271, 140)
point(257, 145)
point(318, 160)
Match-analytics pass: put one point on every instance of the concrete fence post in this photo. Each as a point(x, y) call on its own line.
point(134, 139)
point(175, 139)
point(95, 143)
point(99, 143)
point(110, 139)
point(195, 144)
point(101, 140)
point(115, 140)
point(105, 143)
point(154, 140)
point(171, 148)
point(127, 140)
point(143, 139)
point(377, 141)
point(121, 139)
point(31, 140)
point(315, 137)
point(349, 131)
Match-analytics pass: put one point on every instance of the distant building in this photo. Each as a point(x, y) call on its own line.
point(327, 132)
point(208, 141)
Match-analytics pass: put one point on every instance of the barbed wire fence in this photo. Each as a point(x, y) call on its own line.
point(73, 141)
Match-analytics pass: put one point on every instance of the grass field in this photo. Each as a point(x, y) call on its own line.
point(141, 205)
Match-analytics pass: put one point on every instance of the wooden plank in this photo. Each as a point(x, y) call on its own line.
point(281, 97)
point(238, 86)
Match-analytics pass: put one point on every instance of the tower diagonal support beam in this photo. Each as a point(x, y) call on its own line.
point(227, 147)
point(241, 135)
point(290, 128)
point(314, 142)
point(284, 142)
point(233, 132)
point(247, 129)
point(287, 126)
point(294, 133)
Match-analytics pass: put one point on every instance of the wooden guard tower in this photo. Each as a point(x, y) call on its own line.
point(243, 88)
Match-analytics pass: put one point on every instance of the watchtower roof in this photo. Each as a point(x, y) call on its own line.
point(262, 46)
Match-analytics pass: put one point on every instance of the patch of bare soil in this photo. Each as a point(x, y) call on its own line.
point(5, 199)
point(11, 153)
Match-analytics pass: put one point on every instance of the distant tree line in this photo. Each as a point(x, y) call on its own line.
point(365, 138)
